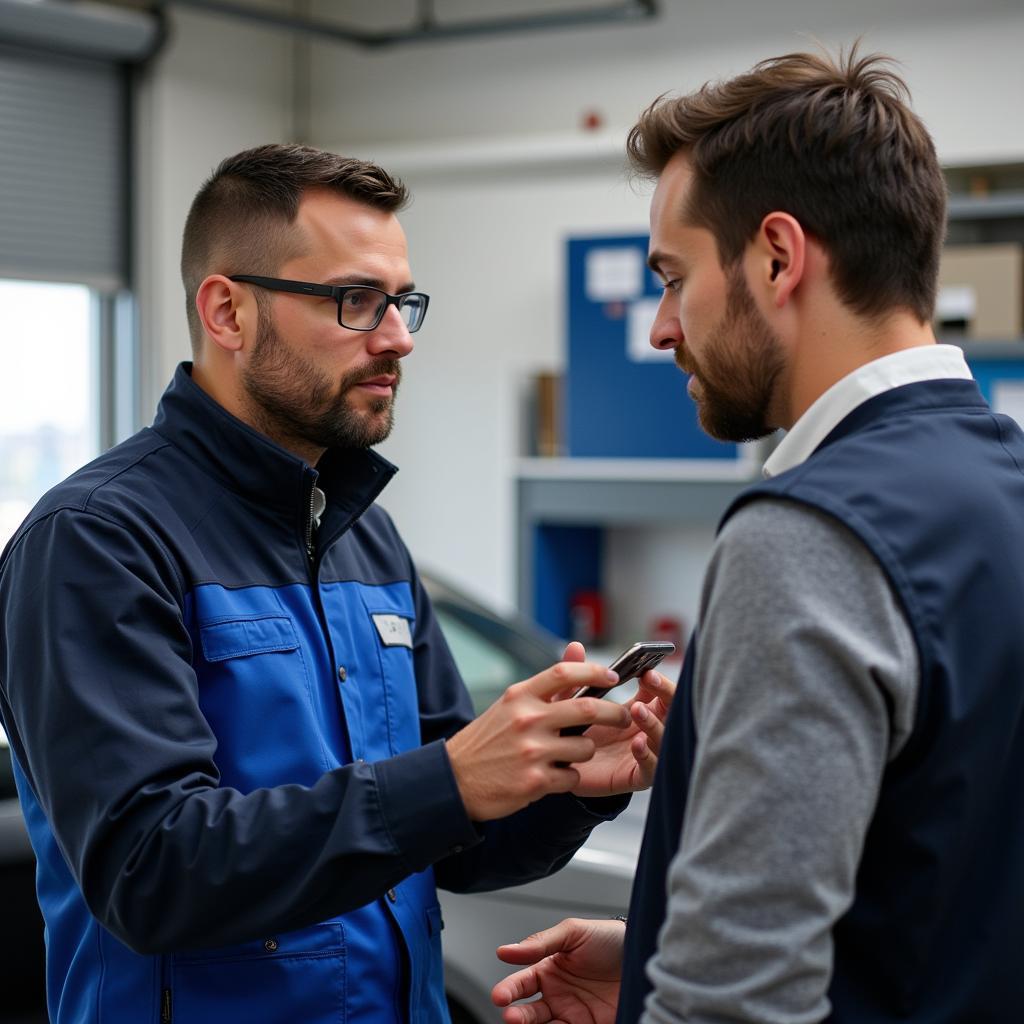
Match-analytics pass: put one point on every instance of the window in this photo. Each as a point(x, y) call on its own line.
point(49, 391)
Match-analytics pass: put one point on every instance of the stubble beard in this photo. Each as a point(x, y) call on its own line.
point(739, 369)
point(291, 400)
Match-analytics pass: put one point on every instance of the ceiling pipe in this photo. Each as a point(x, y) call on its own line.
point(83, 29)
point(428, 29)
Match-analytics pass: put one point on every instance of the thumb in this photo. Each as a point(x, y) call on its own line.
point(575, 651)
point(537, 946)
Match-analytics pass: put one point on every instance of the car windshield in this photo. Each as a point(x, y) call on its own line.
point(487, 668)
point(492, 650)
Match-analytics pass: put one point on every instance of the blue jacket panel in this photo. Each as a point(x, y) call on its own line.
point(230, 751)
point(933, 484)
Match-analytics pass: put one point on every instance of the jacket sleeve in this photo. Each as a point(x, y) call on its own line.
point(101, 703)
point(530, 844)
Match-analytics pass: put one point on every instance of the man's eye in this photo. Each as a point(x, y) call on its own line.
point(674, 285)
point(356, 299)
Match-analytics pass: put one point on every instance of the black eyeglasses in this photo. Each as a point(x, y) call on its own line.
point(360, 307)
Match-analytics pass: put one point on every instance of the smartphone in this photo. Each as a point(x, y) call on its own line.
point(630, 664)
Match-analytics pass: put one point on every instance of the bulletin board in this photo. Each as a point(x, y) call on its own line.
point(625, 399)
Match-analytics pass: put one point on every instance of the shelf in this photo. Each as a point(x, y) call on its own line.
point(606, 502)
point(991, 350)
point(636, 470)
point(990, 207)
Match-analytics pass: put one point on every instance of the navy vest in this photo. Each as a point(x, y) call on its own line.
point(933, 483)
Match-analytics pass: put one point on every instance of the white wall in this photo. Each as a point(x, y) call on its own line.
point(486, 242)
point(962, 61)
point(217, 87)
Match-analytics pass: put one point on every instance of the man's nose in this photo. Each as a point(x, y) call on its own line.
point(666, 331)
point(391, 335)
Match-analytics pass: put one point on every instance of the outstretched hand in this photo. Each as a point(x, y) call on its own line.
point(625, 759)
point(576, 970)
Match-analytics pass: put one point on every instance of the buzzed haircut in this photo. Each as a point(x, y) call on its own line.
point(242, 219)
point(835, 144)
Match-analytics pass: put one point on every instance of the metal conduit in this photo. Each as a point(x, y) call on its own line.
point(428, 29)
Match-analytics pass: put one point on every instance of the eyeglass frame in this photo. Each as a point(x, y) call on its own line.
point(337, 292)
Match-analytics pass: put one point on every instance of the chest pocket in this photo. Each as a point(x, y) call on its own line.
point(239, 638)
point(254, 690)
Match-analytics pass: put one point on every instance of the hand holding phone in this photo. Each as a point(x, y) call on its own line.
point(631, 664)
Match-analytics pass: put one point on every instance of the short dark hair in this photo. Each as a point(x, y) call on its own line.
point(240, 220)
point(832, 142)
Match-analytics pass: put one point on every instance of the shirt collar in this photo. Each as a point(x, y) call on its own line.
point(910, 366)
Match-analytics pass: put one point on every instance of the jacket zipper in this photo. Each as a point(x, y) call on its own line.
point(310, 547)
point(165, 993)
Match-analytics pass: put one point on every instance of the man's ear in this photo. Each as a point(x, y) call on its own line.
point(228, 312)
point(779, 256)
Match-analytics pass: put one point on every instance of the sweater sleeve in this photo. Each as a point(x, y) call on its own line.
point(805, 686)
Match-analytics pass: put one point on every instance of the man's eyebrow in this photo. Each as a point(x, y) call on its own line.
point(654, 261)
point(369, 282)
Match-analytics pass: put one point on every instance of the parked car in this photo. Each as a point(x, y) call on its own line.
point(492, 651)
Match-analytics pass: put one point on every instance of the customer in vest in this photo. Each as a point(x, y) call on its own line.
point(835, 830)
point(239, 738)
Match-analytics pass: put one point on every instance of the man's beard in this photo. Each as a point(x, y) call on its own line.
point(739, 369)
point(291, 400)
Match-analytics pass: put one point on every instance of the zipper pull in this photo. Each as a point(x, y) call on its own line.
point(317, 504)
point(165, 1007)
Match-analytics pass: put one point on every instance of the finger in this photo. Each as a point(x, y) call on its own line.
point(649, 724)
point(539, 945)
point(654, 684)
point(537, 1012)
point(587, 711)
point(520, 985)
point(569, 750)
point(569, 675)
point(575, 651)
point(646, 760)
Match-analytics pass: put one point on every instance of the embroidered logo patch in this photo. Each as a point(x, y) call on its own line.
point(394, 630)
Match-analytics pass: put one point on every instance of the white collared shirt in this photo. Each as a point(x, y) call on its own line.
point(910, 366)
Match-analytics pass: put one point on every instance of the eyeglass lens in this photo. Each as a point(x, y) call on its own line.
point(363, 308)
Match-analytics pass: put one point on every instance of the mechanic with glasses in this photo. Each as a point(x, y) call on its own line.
point(244, 753)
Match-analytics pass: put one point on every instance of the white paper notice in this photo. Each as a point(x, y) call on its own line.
point(638, 333)
point(1008, 398)
point(615, 275)
point(956, 302)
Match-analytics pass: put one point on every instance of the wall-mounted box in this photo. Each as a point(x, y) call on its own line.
point(981, 292)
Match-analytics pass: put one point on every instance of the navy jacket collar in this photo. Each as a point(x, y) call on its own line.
point(249, 463)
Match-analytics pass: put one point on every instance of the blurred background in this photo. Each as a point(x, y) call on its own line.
point(550, 465)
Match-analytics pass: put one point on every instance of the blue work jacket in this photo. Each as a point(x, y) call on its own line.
point(228, 733)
